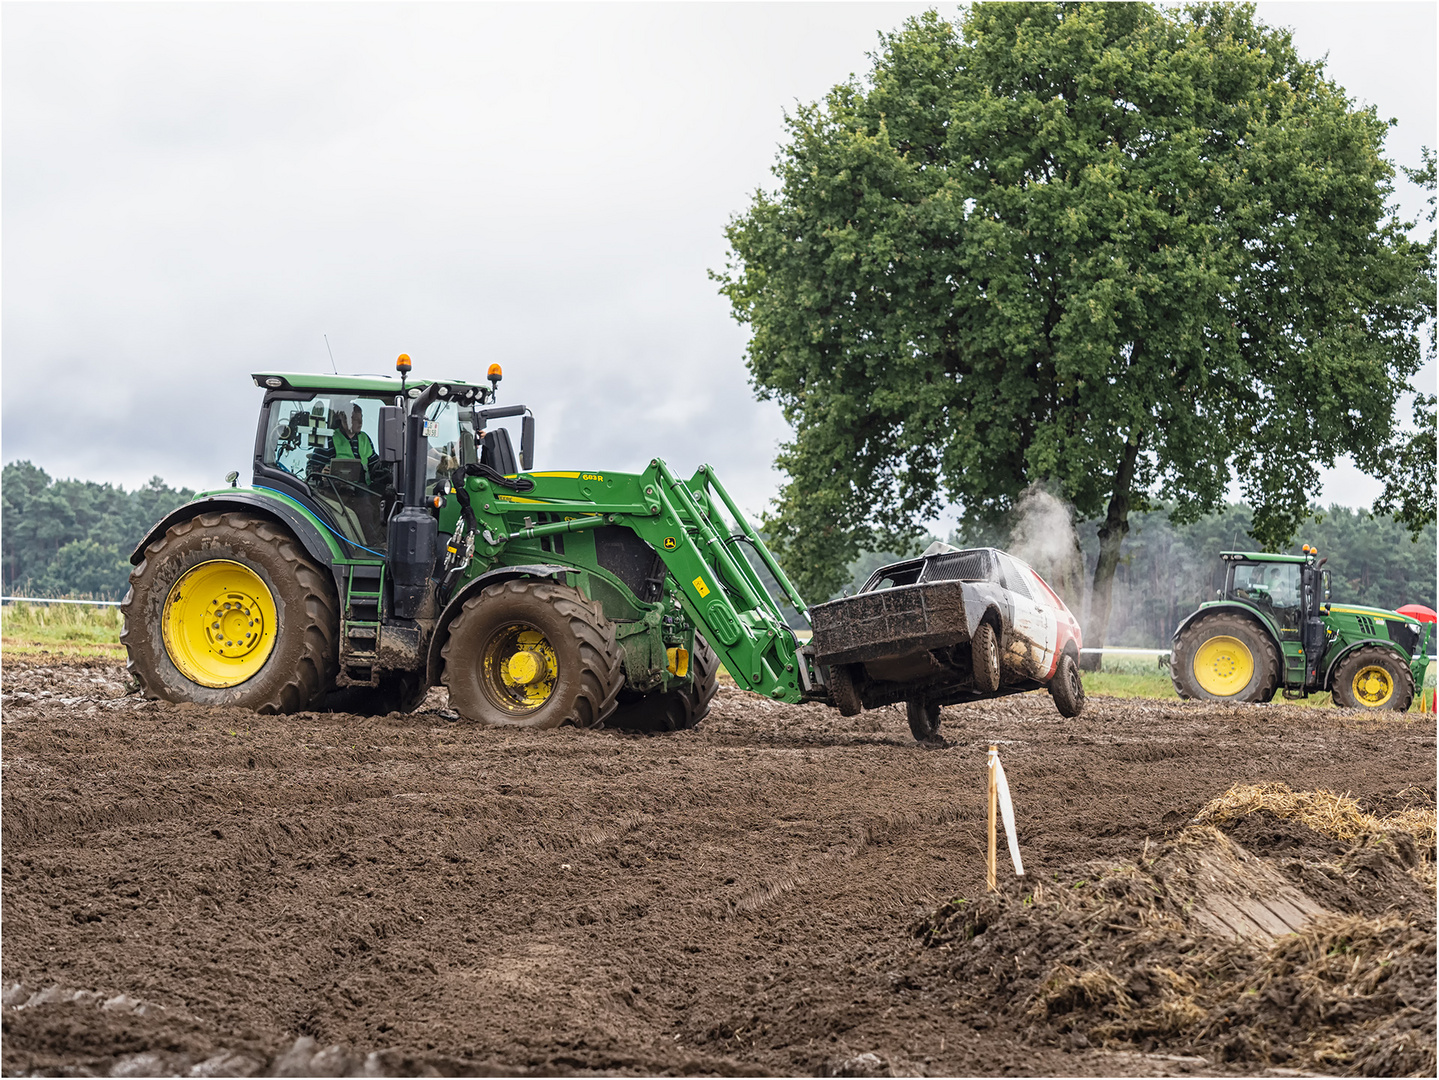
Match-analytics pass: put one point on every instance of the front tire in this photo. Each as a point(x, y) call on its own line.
point(1224, 657)
point(984, 648)
point(676, 710)
point(1374, 677)
point(532, 654)
point(1067, 688)
point(227, 609)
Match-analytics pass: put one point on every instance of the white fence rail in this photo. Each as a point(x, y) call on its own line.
point(53, 600)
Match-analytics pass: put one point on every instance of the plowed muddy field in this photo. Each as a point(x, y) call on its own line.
point(779, 891)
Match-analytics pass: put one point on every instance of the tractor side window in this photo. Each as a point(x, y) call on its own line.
point(1274, 587)
point(328, 441)
point(451, 441)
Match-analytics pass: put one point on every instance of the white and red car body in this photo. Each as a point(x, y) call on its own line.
point(907, 632)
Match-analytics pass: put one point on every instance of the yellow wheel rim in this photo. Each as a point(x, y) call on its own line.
point(219, 624)
point(1372, 686)
point(520, 669)
point(1223, 666)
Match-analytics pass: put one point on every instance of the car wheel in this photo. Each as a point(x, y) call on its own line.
point(923, 718)
point(843, 692)
point(1067, 688)
point(984, 648)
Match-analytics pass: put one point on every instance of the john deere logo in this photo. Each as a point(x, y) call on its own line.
point(670, 543)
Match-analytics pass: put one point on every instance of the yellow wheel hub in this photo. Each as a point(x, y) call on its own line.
point(1372, 686)
point(1223, 666)
point(219, 623)
point(520, 668)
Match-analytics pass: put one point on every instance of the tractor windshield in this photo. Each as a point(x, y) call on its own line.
point(1273, 587)
point(452, 443)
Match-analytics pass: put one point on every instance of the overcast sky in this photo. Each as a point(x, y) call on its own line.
point(192, 192)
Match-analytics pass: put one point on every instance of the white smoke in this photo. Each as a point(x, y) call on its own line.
point(1043, 535)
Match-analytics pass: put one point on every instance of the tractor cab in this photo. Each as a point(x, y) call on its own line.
point(1287, 588)
point(332, 443)
point(1290, 591)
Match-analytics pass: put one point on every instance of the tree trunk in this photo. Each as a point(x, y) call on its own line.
point(1111, 535)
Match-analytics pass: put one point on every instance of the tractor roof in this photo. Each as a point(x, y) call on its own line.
point(1262, 556)
point(383, 384)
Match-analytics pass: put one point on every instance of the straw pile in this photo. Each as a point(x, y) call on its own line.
point(1116, 957)
point(1333, 815)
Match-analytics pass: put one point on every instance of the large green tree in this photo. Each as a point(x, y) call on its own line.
point(1128, 252)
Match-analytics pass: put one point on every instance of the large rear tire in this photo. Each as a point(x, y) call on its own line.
point(676, 710)
point(1224, 657)
point(227, 609)
point(532, 654)
point(1373, 677)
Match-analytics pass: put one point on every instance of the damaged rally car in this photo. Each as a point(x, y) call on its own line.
point(949, 626)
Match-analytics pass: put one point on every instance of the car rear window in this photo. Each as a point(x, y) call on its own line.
point(960, 566)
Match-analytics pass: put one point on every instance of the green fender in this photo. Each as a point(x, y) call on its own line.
point(1257, 617)
point(1331, 663)
point(301, 524)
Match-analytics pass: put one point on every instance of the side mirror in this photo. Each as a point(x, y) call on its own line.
point(1325, 574)
point(392, 433)
point(527, 442)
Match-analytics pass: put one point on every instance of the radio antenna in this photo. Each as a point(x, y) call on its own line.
point(331, 352)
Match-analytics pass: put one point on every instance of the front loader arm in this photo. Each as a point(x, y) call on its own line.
point(718, 588)
point(694, 526)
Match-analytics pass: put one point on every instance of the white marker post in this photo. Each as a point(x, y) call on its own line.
point(999, 800)
point(989, 868)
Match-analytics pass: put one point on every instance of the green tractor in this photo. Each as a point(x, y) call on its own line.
point(391, 540)
point(1273, 629)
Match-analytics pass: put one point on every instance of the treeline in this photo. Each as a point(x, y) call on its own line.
point(74, 537)
point(1167, 570)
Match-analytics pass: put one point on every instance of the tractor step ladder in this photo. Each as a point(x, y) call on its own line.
point(360, 625)
point(1294, 671)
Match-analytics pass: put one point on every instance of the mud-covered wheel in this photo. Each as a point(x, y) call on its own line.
point(1373, 677)
point(532, 654)
point(227, 609)
point(676, 710)
point(842, 690)
point(1224, 657)
point(923, 718)
point(1067, 688)
point(984, 648)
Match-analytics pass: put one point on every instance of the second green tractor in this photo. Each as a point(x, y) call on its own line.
point(1274, 628)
